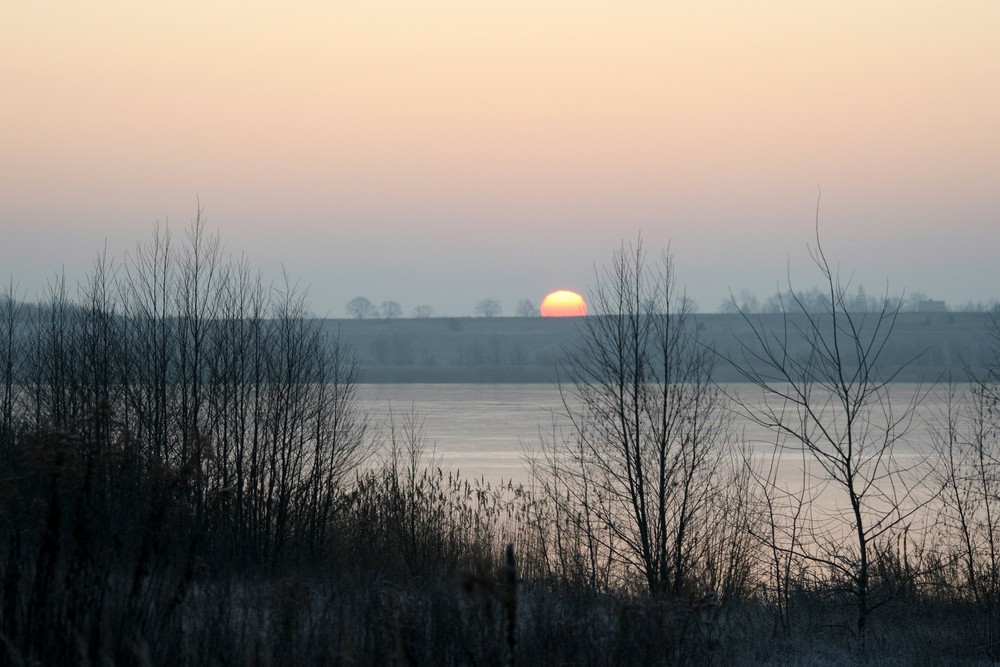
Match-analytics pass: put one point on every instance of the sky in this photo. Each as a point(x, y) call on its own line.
point(446, 151)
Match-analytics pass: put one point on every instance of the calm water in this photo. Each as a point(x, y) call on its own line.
point(478, 429)
point(482, 430)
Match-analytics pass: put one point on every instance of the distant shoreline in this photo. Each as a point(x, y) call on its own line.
point(467, 350)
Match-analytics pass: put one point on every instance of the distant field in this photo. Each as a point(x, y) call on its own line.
point(513, 349)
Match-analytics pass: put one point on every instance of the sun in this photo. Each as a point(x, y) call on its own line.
point(564, 303)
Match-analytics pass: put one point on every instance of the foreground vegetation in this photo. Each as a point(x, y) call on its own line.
point(186, 477)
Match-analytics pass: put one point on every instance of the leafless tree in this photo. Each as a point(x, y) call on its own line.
point(527, 308)
point(489, 308)
point(201, 368)
point(967, 443)
point(637, 480)
point(361, 308)
point(11, 359)
point(423, 311)
point(391, 310)
point(820, 386)
point(780, 512)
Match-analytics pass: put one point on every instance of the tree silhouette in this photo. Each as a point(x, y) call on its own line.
point(820, 385)
point(361, 308)
point(391, 310)
point(527, 308)
point(641, 471)
point(489, 308)
point(423, 311)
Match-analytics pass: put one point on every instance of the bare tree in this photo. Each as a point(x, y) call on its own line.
point(361, 308)
point(11, 360)
point(637, 480)
point(146, 292)
point(391, 310)
point(780, 511)
point(822, 390)
point(489, 308)
point(967, 444)
point(201, 277)
point(193, 364)
point(423, 311)
point(527, 308)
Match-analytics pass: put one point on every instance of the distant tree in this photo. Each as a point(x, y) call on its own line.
point(990, 306)
point(391, 310)
point(746, 302)
point(361, 308)
point(423, 311)
point(488, 308)
point(526, 308)
point(811, 301)
point(911, 302)
point(862, 303)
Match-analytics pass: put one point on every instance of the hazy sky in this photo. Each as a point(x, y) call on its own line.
point(440, 152)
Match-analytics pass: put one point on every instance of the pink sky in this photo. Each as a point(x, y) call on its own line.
point(443, 152)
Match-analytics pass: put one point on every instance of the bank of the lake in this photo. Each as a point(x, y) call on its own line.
point(528, 350)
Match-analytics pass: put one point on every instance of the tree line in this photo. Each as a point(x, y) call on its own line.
point(360, 308)
point(816, 300)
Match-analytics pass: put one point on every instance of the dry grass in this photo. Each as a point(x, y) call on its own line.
point(103, 562)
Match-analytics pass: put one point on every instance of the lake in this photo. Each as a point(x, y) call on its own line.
point(482, 429)
point(477, 429)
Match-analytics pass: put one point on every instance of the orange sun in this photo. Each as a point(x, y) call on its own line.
point(564, 304)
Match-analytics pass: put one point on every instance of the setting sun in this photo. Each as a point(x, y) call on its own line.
point(564, 304)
